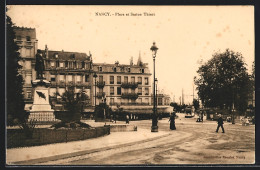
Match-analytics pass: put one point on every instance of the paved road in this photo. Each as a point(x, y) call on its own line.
point(191, 143)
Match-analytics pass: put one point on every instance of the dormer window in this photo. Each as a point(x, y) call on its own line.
point(66, 64)
point(52, 63)
point(99, 68)
point(28, 38)
point(114, 69)
point(83, 64)
point(129, 69)
point(141, 70)
point(57, 64)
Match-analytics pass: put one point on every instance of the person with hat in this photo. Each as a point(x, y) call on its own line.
point(220, 124)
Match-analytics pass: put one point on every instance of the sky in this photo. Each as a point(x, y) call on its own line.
point(186, 36)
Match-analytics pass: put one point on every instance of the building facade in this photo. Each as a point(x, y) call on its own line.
point(68, 70)
point(121, 84)
point(28, 45)
point(128, 86)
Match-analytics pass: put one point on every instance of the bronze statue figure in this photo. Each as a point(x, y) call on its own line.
point(39, 65)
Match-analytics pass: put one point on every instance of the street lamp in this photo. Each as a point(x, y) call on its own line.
point(156, 86)
point(233, 105)
point(154, 127)
point(95, 76)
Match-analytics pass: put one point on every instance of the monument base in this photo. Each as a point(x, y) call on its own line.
point(42, 116)
point(41, 111)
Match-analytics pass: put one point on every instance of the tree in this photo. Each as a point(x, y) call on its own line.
point(73, 105)
point(101, 109)
point(224, 80)
point(196, 104)
point(14, 84)
point(175, 106)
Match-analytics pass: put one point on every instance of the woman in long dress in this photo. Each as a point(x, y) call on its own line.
point(172, 121)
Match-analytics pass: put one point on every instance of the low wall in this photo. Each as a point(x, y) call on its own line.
point(42, 136)
point(122, 128)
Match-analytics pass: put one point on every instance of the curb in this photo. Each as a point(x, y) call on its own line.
point(80, 153)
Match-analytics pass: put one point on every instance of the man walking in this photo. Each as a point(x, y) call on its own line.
point(220, 124)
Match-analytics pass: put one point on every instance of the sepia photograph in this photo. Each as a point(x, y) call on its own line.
point(104, 85)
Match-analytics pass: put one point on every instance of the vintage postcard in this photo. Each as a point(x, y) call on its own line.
point(130, 85)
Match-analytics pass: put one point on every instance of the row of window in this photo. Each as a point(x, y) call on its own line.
point(118, 80)
point(115, 69)
point(69, 78)
point(68, 64)
point(28, 38)
point(140, 100)
point(119, 91)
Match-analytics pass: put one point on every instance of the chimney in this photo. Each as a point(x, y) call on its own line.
point(46, 51)
point(131, 61)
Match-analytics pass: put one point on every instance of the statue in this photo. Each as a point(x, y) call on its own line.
point(39, 65)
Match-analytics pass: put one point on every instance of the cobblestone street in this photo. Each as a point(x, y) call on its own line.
point(191, 143)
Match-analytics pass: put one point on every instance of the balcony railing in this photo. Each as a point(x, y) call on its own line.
point(133, 96)
point(79, 84)
point(61, 83)
point(70, 83)
point(128, 104)
point(131, 85)
point(100, 94)
point(53, 84)
point(19, 42)
point(101, 84)
point(29, 43)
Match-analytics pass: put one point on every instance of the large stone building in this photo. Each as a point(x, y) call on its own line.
point(62, 69)
point(68, 69)
point(28, 45)
point(128, 86)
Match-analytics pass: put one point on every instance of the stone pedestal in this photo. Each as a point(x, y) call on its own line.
point(41, 109)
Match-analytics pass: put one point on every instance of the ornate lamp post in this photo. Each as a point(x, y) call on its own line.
point(154, 127)
point(156, 97)
point(95, 76)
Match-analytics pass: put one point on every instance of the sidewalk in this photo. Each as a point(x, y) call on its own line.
point(36, 154)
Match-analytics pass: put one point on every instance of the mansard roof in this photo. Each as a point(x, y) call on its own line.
point(64, 55)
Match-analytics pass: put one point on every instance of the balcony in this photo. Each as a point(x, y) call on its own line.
point(61, 83)
point(79, 84)
point(133, 96)
point(19, 42)
point(53, 84)
point(100, 94)
point(70, 83)
point(86, 85)
point(128, 104)
point(101, 84)
point(29, 43)
point(131, 85)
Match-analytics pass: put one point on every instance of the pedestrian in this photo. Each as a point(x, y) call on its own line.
point(114, 117)
point(172, 121)
point(127, 119)
point(220, 124)
point(111, 118)
point(201, 118)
